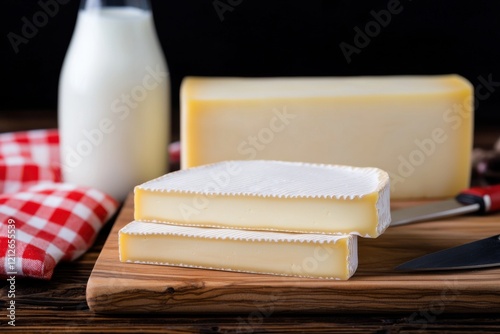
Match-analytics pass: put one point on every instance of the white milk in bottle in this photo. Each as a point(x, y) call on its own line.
point(114, 106)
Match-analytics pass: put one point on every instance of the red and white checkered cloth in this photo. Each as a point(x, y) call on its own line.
point(42, 220)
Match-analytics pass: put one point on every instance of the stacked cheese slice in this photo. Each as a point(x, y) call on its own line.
point(282, 218)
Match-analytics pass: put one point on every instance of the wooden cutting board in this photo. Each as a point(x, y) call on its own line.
point(116, 287)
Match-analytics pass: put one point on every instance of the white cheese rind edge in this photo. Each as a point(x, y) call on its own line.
point(146, 228)
point(384, 209)
point(258, 178)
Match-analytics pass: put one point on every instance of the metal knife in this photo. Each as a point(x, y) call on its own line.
point(478, 254)
point(477, 199)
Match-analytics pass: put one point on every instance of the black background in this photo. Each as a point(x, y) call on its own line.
point(272, 38)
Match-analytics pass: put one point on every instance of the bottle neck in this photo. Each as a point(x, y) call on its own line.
point(114, 30)
point(100, 4)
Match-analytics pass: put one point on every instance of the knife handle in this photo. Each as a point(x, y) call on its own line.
point(488, 198)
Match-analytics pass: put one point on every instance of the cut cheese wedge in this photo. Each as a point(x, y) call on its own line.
point(270, 195)
point(287, 254)
point(417, 128)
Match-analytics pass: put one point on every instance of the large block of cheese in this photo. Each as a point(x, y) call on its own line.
point(270, 195)
point(303, 255)
point(417, 128)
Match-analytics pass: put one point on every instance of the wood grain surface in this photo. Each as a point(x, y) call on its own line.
point(117, 287)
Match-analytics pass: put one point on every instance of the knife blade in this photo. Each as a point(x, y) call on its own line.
point(478, 254)
point(477, 199)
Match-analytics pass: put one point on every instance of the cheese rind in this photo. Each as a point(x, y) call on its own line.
point(270, 195)
point(417, 128)
point(301, 255)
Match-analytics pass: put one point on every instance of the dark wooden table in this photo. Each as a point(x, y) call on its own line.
point(59, 305)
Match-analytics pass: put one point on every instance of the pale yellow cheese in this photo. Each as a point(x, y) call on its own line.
point(270, 195)
point(302, 255)
point(417, 128)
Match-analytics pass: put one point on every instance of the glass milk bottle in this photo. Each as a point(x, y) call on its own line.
point(114, 102)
